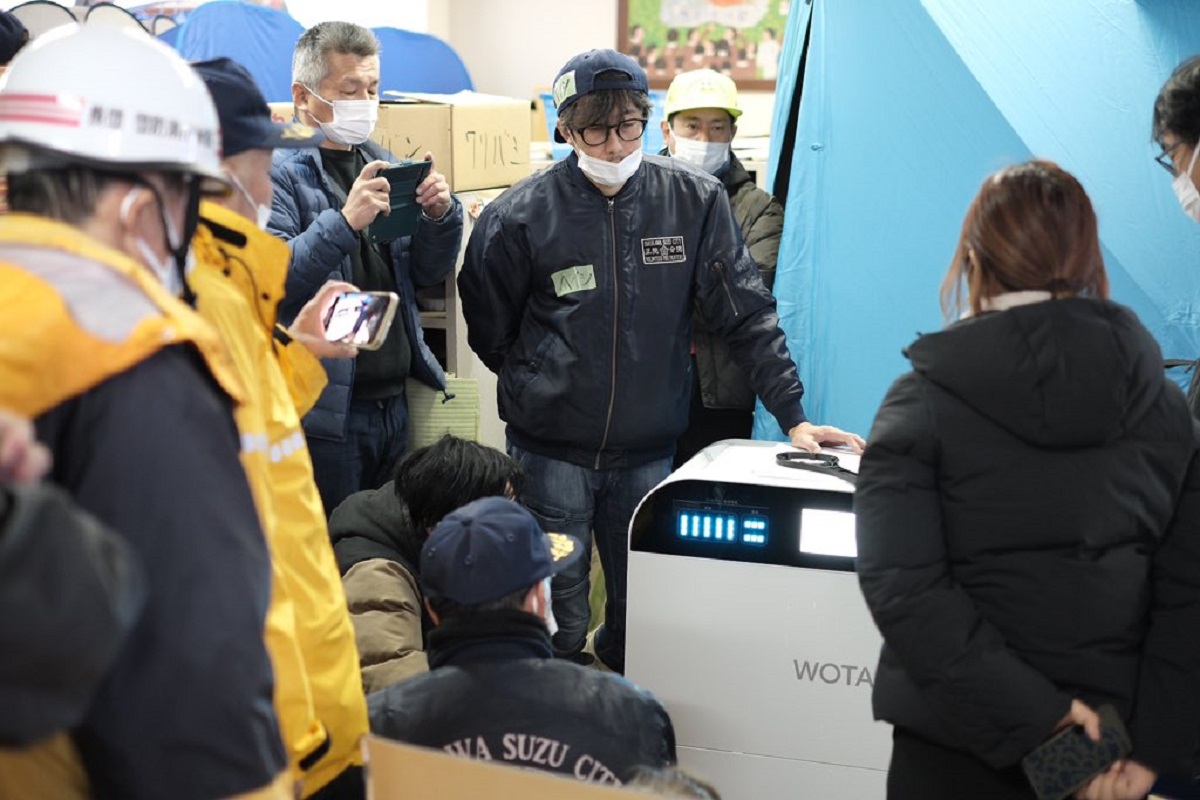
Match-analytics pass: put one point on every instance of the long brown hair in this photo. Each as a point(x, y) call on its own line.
point(1030, 228)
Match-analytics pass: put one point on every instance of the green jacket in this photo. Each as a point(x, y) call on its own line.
point(723, 384)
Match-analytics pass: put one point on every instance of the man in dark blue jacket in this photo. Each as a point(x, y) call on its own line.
point(578, 290)
point(325, 197)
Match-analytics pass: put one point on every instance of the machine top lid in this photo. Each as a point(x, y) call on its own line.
point(753, 462)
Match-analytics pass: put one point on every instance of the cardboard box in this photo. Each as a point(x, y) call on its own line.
point(478, 141)
point(398, 771)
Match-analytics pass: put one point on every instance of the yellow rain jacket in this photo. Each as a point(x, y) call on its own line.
point(238, 279)
point(77, 315)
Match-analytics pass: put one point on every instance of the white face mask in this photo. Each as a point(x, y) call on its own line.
point(353, 120)
point(606, 173)
point(163, 268)
point(262, 214)
point(708, 156)
point(551, 622)
point(1185, 188)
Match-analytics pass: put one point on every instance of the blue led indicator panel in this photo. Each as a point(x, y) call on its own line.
point(754, 530)
point(713, 526)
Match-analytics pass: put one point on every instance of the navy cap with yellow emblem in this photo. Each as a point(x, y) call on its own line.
point(489, 549)
point(245, 117)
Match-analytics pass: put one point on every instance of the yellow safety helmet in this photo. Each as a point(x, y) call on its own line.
point(702, 88)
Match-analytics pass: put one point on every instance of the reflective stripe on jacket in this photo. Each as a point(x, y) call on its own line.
point(238, 281)
point(133, 393)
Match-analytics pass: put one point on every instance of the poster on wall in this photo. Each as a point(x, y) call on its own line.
point(740, 38)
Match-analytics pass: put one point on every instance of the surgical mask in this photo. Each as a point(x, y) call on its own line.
point(1185, 189)
point(551, 622)
point(607, 173)
point(353, 120)
point(708, 156)
point(262, 214)
point(163, 268)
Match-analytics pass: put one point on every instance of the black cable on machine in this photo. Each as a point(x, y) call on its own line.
point(822, 463)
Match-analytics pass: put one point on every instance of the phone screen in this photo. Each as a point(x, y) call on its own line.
point(360, 318)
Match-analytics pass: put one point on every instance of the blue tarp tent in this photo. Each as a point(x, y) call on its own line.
point(262, 40)
point(418, 62)
point(905, 106)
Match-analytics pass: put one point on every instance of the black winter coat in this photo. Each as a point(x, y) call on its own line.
point(70, 591)
point(582, 305)
point(1029, 532)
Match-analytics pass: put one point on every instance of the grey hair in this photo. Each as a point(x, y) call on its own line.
point(310, 61)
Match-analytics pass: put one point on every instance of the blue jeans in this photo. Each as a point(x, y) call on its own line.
point(567, 498)
point(376, 438)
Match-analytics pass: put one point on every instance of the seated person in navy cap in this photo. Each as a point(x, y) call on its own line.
point(494, 691)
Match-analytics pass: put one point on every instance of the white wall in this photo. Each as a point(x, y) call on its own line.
point(516, 47)
point(412, 15)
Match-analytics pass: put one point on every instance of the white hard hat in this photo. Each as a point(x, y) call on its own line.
point(111, 98)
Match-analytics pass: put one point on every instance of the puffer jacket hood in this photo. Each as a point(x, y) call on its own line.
point(1062, 373)
point(373, 524)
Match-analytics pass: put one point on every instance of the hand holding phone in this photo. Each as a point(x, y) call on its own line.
point(404, 212)
point(362, 319)
point(1070, 758)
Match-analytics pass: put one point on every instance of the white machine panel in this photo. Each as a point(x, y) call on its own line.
point(764, 655)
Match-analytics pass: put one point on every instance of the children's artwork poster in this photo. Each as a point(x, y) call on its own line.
point(739, 38)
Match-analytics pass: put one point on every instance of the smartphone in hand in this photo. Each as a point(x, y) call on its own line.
point(361, 318)
point(1069, 759)
point(404, 215)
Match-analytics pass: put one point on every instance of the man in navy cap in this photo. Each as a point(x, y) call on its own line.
point(578, 290)
point(494, 690)
point(238, 280)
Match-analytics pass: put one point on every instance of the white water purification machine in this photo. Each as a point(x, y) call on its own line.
point(745, 619)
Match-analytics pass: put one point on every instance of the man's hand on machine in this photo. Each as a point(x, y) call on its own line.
point(807, 436)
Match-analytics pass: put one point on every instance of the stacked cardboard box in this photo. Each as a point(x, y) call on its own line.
point(478, 141)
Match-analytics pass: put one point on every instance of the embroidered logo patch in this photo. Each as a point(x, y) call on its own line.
point(560, 546)
point(573, 279)
point(663, 250)
point(564, 87)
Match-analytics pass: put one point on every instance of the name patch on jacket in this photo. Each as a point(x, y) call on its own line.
point(573, 279)
point(663, 250)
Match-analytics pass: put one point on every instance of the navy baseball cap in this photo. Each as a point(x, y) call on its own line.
point(13, 36)
point(578, 77)
point(489, 549)
point(245, 117)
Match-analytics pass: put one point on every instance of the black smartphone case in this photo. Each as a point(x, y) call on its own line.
point(1069, 759)
point(405, 215)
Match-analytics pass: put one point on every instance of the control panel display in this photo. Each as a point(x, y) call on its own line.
point(749, 527)
point(748, 522)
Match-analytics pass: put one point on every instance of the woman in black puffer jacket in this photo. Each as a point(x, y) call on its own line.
point(1029, 515)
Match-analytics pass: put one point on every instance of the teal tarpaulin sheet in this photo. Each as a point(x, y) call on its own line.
point(906, 106)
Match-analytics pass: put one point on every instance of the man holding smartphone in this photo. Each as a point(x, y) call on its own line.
point(325, 199)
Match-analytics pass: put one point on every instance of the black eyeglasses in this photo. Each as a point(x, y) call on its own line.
point(629, 130)
point(1164, 158)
